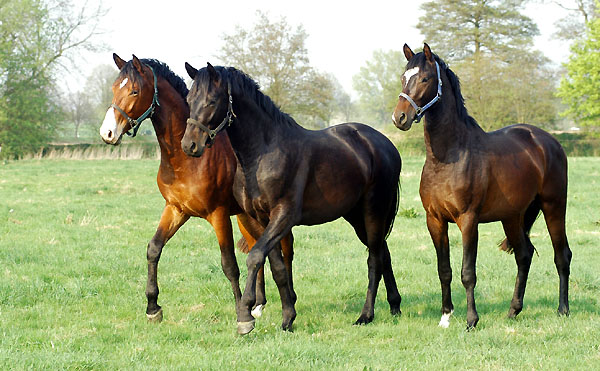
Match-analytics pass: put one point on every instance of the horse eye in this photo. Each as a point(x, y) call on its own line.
point(424, 79)
point(134, 92)
point(212, 102)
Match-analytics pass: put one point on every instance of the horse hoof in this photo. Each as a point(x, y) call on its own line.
point(363, 320)
point(257, 311)
point(156, 317)
point(244, 328)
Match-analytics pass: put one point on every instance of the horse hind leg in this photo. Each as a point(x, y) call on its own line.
point(554, 210)
point(531, 215)
point(523, 249)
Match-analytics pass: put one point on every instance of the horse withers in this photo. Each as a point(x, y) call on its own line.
point(288, 176)
point(198, 187)
point(471, 176)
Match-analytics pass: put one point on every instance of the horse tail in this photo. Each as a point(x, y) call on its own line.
point(392, 215)
point(243, 246)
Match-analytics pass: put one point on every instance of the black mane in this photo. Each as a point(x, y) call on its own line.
point(242, 84)
point(161, 70)
point(419, 59)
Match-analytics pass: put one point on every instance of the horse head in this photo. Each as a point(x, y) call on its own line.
point(134, 95)
point(421, 87)
point(211, 110)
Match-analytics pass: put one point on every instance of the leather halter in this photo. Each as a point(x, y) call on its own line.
point(421, 110)
point(227, 120)
point(135, 123)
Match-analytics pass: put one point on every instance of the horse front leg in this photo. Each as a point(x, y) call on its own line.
point(438, 230)
point(221, 223)
point(468, 226)
point(280, 225)
point(171, 219)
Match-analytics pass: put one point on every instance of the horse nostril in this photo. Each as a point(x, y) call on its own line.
point(109, 134)
point(402, 118)
point(193, 147)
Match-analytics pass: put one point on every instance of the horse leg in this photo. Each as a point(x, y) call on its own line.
point(468, 227)
point(170, 221)
point(554, 213)
point(438, 230)
point(531, 214)
point(221, 223)
point(523, 250)
point(248, 228)
point(393, 296)
point(279, 226)
point(280, 276)
point(287, 250)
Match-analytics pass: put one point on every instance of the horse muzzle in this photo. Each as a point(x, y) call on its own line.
point(402, 121)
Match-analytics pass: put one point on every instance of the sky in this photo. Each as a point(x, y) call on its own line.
point(342, 35)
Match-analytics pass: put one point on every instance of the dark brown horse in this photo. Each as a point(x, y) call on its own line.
point(289, 176)
point(473, 177)
point(200, 187)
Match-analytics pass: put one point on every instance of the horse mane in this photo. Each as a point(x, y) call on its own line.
point(463, 114)
point(242, 84)
point(161, 70)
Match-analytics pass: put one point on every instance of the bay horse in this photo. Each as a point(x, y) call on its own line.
point(471, 176)
point(288, 175)
point(198, 187)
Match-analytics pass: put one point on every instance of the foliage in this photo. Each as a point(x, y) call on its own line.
point(74, 266)
point(488, 43)
point(275, 56)
point(498, 93)
point(378, 85)
point(37, 38)
point(459, 29)
point(578, 14)
point(580, 88)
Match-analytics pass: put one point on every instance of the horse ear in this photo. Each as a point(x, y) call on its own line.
point(214, 75)
point(118, 61)
point(191, 70)
point(408, 53)
point(427, 52)
point(137, 64)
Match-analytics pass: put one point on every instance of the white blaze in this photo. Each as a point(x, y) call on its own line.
point(123, 83)
point(108, 130)
point(409, 74)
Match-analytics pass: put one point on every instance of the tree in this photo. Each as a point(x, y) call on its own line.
point(459, 29)
point(488, 44)
point(275, 56)
point(99, 88)
point(37, 39)
point(573, 25)
point(378, 85)
point(580, 88)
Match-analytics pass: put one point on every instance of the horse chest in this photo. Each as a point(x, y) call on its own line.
point(451, 190)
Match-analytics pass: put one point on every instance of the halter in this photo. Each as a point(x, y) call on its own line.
point(421, 110)
point(227, 120)
point(135, 124)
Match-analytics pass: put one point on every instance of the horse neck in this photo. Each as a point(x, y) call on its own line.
point(169, 120)
point(447, 135)
point(254, 130)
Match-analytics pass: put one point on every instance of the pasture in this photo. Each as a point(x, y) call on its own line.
point(73, 238)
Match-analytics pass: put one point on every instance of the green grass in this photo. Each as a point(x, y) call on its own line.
point(73, 238)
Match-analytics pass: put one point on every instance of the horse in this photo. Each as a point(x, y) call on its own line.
point(288, 175)
point(191, 187)
point(471, 176)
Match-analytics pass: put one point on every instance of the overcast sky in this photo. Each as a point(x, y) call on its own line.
point(342, 35)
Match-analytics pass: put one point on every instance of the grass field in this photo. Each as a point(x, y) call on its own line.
point(73, 238)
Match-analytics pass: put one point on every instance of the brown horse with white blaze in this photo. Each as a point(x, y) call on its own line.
point(198, 187)
point(471, 176)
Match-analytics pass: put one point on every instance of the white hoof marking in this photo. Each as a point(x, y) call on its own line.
point(257, 311)
point(445, 320)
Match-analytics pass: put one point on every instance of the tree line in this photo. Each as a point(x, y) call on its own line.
point(488, 43)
